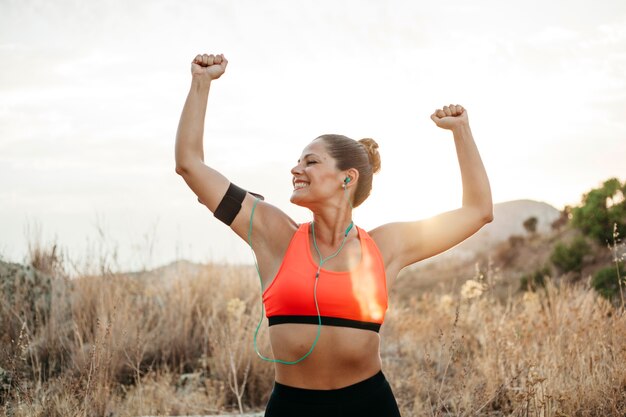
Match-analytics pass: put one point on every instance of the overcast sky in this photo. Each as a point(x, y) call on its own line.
point(91, 93)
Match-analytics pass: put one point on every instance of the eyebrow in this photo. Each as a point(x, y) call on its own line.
point(306, 156)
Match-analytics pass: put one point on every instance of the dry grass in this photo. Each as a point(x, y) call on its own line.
point(560, 352)
point(117, 345)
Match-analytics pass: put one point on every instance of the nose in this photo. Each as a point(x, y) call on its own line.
point(296, 170)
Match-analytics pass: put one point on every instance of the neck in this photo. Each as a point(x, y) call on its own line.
point(331, 225)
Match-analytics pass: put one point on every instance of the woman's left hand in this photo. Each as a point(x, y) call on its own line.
point(450, 117)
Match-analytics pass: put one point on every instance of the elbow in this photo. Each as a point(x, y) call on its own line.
point(179, 170)
point(482, 214)
point(185, 166)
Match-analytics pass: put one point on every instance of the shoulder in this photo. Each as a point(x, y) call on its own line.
point(386, 238)
point(273, 225)
point(370, 245)
point(266, 226)
point(383, 237)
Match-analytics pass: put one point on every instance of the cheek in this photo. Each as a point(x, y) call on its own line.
point(321, 176)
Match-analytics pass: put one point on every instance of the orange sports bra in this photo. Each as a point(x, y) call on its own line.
point(356, 298)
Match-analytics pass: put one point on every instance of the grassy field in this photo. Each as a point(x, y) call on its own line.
point(181, 343)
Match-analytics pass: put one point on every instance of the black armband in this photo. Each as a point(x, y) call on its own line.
point(230, 205)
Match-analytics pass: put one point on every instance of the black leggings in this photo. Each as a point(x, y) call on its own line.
point(369, 398)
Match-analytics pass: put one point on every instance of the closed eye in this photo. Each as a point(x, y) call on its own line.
point(311, 162)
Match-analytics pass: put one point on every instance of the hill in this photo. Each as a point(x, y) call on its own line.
point(501, 264)
point(508, 221)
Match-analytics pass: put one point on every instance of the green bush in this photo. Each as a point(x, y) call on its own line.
point(602, 208)
point(605, 281)
point(570, 258)
point(536, 280)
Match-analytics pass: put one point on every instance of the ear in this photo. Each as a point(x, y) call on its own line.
point(353, 174)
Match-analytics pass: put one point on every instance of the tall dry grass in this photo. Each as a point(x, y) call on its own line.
point(120, 345)
point(116, 345)
point(555, 353)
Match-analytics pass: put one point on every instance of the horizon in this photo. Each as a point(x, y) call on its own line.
point(94, 269)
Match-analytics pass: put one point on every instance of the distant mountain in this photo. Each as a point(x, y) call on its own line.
point(508, 220)
point(169, 272)
point(183, 269)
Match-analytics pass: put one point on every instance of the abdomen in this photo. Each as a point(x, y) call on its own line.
point(341, 357)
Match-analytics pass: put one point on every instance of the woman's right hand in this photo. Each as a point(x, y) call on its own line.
point(209, 67)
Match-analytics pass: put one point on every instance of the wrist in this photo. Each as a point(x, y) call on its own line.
point(200, 82)
point(462, 127)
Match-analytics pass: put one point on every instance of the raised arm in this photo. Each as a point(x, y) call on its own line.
point(189, 150)
point(404, 243)
point(207, 183)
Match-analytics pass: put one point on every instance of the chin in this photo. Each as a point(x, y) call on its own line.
point(296, 200)
point(299, 201)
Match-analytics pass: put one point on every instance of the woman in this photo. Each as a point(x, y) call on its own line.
point(324, 282)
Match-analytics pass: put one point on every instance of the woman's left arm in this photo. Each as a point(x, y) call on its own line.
point(404, 243)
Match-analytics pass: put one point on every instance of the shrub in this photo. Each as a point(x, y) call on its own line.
point(505, 254)
point(601, 209)
point(563, 218)
point(606, 280)
point(535, 280)
point(516, 241)
point(530, 224)
point(570, 258)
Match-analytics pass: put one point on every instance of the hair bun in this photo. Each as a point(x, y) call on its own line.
point(372, 152)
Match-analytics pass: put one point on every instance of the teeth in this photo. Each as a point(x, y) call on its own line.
point(299, 185)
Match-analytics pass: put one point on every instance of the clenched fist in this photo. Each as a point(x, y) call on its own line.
point(210, 66)
point(450, 117)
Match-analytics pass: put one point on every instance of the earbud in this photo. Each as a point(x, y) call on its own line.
point(344, 185)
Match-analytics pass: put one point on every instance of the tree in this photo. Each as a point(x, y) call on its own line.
point(601, 208)
point(530, 224)
point(563, 219)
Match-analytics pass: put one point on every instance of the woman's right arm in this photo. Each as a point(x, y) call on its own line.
point(210, 185)
point(189, 137)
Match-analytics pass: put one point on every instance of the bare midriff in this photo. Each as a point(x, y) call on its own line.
point(342, 356)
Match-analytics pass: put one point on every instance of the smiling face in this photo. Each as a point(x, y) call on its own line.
point(315, 177)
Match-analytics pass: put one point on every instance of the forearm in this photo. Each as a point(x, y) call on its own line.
point(190, 132)
point(476, 189)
